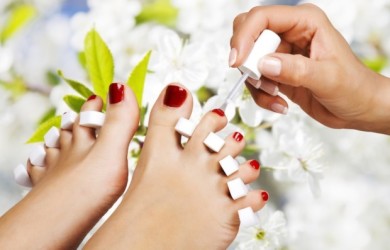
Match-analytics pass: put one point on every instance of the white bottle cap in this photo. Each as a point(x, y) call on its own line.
point(267, 43)
point(247, 217)
point(52, 138)
point(21, 176)
point(237, 188)
point(185, 127)
point(92, 119)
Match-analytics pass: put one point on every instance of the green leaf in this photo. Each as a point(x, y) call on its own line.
point(43, 128)
point(82, 60)
point(17, 86)
point(160, 11)
point(77, 86)
point(52, 78)
point(49, 114)
point(19, 16)
point(74, 102)
point(99, 62)
point(136, 80)
point(376, 64)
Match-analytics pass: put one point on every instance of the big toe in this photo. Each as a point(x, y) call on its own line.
point(174, 102)
point(121, 121)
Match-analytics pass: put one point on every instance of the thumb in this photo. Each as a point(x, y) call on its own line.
point(298, 71)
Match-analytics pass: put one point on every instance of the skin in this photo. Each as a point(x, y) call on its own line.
point(178, 197)
point(78, 184)
point(319, 71)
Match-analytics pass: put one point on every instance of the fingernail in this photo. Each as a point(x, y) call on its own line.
point(238, 136)
point(175, 96)
point(264, 196)
point(116, 93)
point(279, 108)
point(270, 66)
point(232, 57)
point(254, 83)
point(218, 112)
point(269, 87)
point(92, 97)
point(254, 164)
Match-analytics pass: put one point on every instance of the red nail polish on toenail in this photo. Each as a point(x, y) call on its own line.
point(238, 136)
point(254, 164)
point(264, 196)
point(116, 93)
point(218, 112)
point(175, 96)
point(92, 97)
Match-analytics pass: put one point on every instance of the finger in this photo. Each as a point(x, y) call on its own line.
point(299, 71)
point(273, 103)
point(292, 22)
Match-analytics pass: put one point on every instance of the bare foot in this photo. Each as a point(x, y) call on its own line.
point(178, 197)
point(79, 182)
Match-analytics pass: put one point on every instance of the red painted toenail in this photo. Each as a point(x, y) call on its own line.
point(264, 196)
point(218, 112)
point(238, 136)
point(116, 93)
point(175, 96)
point(92, 97)
point(254, 164)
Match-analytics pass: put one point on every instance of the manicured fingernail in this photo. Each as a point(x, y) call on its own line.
point(232, 57)
point(218, 112)
point(264, 196)
point(270, 66)
point(254, 164)
point(269, 87)
point(116, 93)
point(175, 96)
point(254, 83)
point(279, 108)
point(238, 136)
point(92, 97)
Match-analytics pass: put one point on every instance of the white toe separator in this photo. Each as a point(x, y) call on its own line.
point(229, 165)
point(67, 119)
point(21, 176)
point(185, 127)
point(92, 119)
point(237, 188)
point(52, 138)
point(247, 217)
point(214, 142)
point(37, 156)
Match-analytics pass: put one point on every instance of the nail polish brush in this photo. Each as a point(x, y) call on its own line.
point(267, 43)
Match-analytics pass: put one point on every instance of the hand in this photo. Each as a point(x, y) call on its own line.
point(314, 67)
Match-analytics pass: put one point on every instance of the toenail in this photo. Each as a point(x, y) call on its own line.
point(116, 93)
point(92, 97)
point(264, 196)
point(219, 112)
point(229, 165)
point(238, 136)
point(67, 120)
point(185, 127)
point(21, 176)
point(254, 164)
point(37, 156)
point(247, 217)
point(52, 138)
point(92, 119)
point(214, 142)
point(237, 188)
point(175, 96)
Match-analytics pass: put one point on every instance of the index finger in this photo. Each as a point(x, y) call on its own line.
point(281, 19)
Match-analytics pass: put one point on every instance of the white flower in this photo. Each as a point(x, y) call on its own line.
point(175, 60)
point(7, 59)
point(267, 235)
point(295, 156)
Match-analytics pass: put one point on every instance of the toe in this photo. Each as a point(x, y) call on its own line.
point(174, 102)
point(83, 135)
point(52, 156)
point(248, 172)
point(65, 140)
point(234, 144)
point(36, 173)
point(256, 199)
point(211, 122)
point(121, 122)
